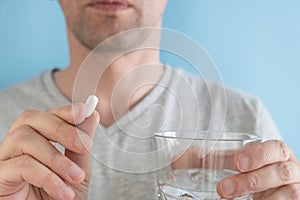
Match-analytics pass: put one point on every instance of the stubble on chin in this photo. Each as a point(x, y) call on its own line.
point(90, 33)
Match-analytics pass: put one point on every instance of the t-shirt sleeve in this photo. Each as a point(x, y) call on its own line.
point(266, 126)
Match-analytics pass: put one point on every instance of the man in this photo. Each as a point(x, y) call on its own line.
point(31, 166)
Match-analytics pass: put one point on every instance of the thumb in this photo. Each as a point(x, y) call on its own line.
point(89, 126)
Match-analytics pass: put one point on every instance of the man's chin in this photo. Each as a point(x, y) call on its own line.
point(118, 42)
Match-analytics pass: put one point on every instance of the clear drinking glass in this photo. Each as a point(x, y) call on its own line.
point(192, 163)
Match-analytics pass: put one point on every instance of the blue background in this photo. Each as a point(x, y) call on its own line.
point(255, 44)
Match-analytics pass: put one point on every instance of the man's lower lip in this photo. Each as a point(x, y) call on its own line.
point(109, 7)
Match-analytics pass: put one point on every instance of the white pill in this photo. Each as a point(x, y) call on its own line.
point(91, 103)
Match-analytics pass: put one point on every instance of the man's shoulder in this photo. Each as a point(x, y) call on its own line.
point(216, 90)
point(22, 92)
point(217, 99)
point(17, 98)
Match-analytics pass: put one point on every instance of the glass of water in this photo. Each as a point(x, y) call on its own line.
point(190, 164)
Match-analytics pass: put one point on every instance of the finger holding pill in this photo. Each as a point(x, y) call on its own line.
point(71, 126)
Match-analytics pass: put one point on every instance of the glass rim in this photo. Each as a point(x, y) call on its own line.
point(237, 136)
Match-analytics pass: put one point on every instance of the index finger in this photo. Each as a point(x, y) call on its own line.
point(261, 154)
point(73, 114)
point(58, 125)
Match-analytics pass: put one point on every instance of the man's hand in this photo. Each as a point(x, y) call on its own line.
point(31, 167)
point(269, 169)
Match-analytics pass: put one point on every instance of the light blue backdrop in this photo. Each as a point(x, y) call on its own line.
point(255, 44)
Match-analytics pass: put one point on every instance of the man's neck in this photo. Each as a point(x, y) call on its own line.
point(128, 79)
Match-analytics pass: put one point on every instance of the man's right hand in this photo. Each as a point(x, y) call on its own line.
point(31, 167)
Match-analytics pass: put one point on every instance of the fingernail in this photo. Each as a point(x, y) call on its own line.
point(79, 110)
point(83, 141)
point(244, 163)
point(97, 116)
point(76, 173)
point(76, 108)
point(228, 187)
point(68, 193)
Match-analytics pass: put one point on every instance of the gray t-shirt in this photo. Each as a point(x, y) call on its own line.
point(122, 163)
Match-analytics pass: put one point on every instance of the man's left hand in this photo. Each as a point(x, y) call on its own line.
point(270, 170)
